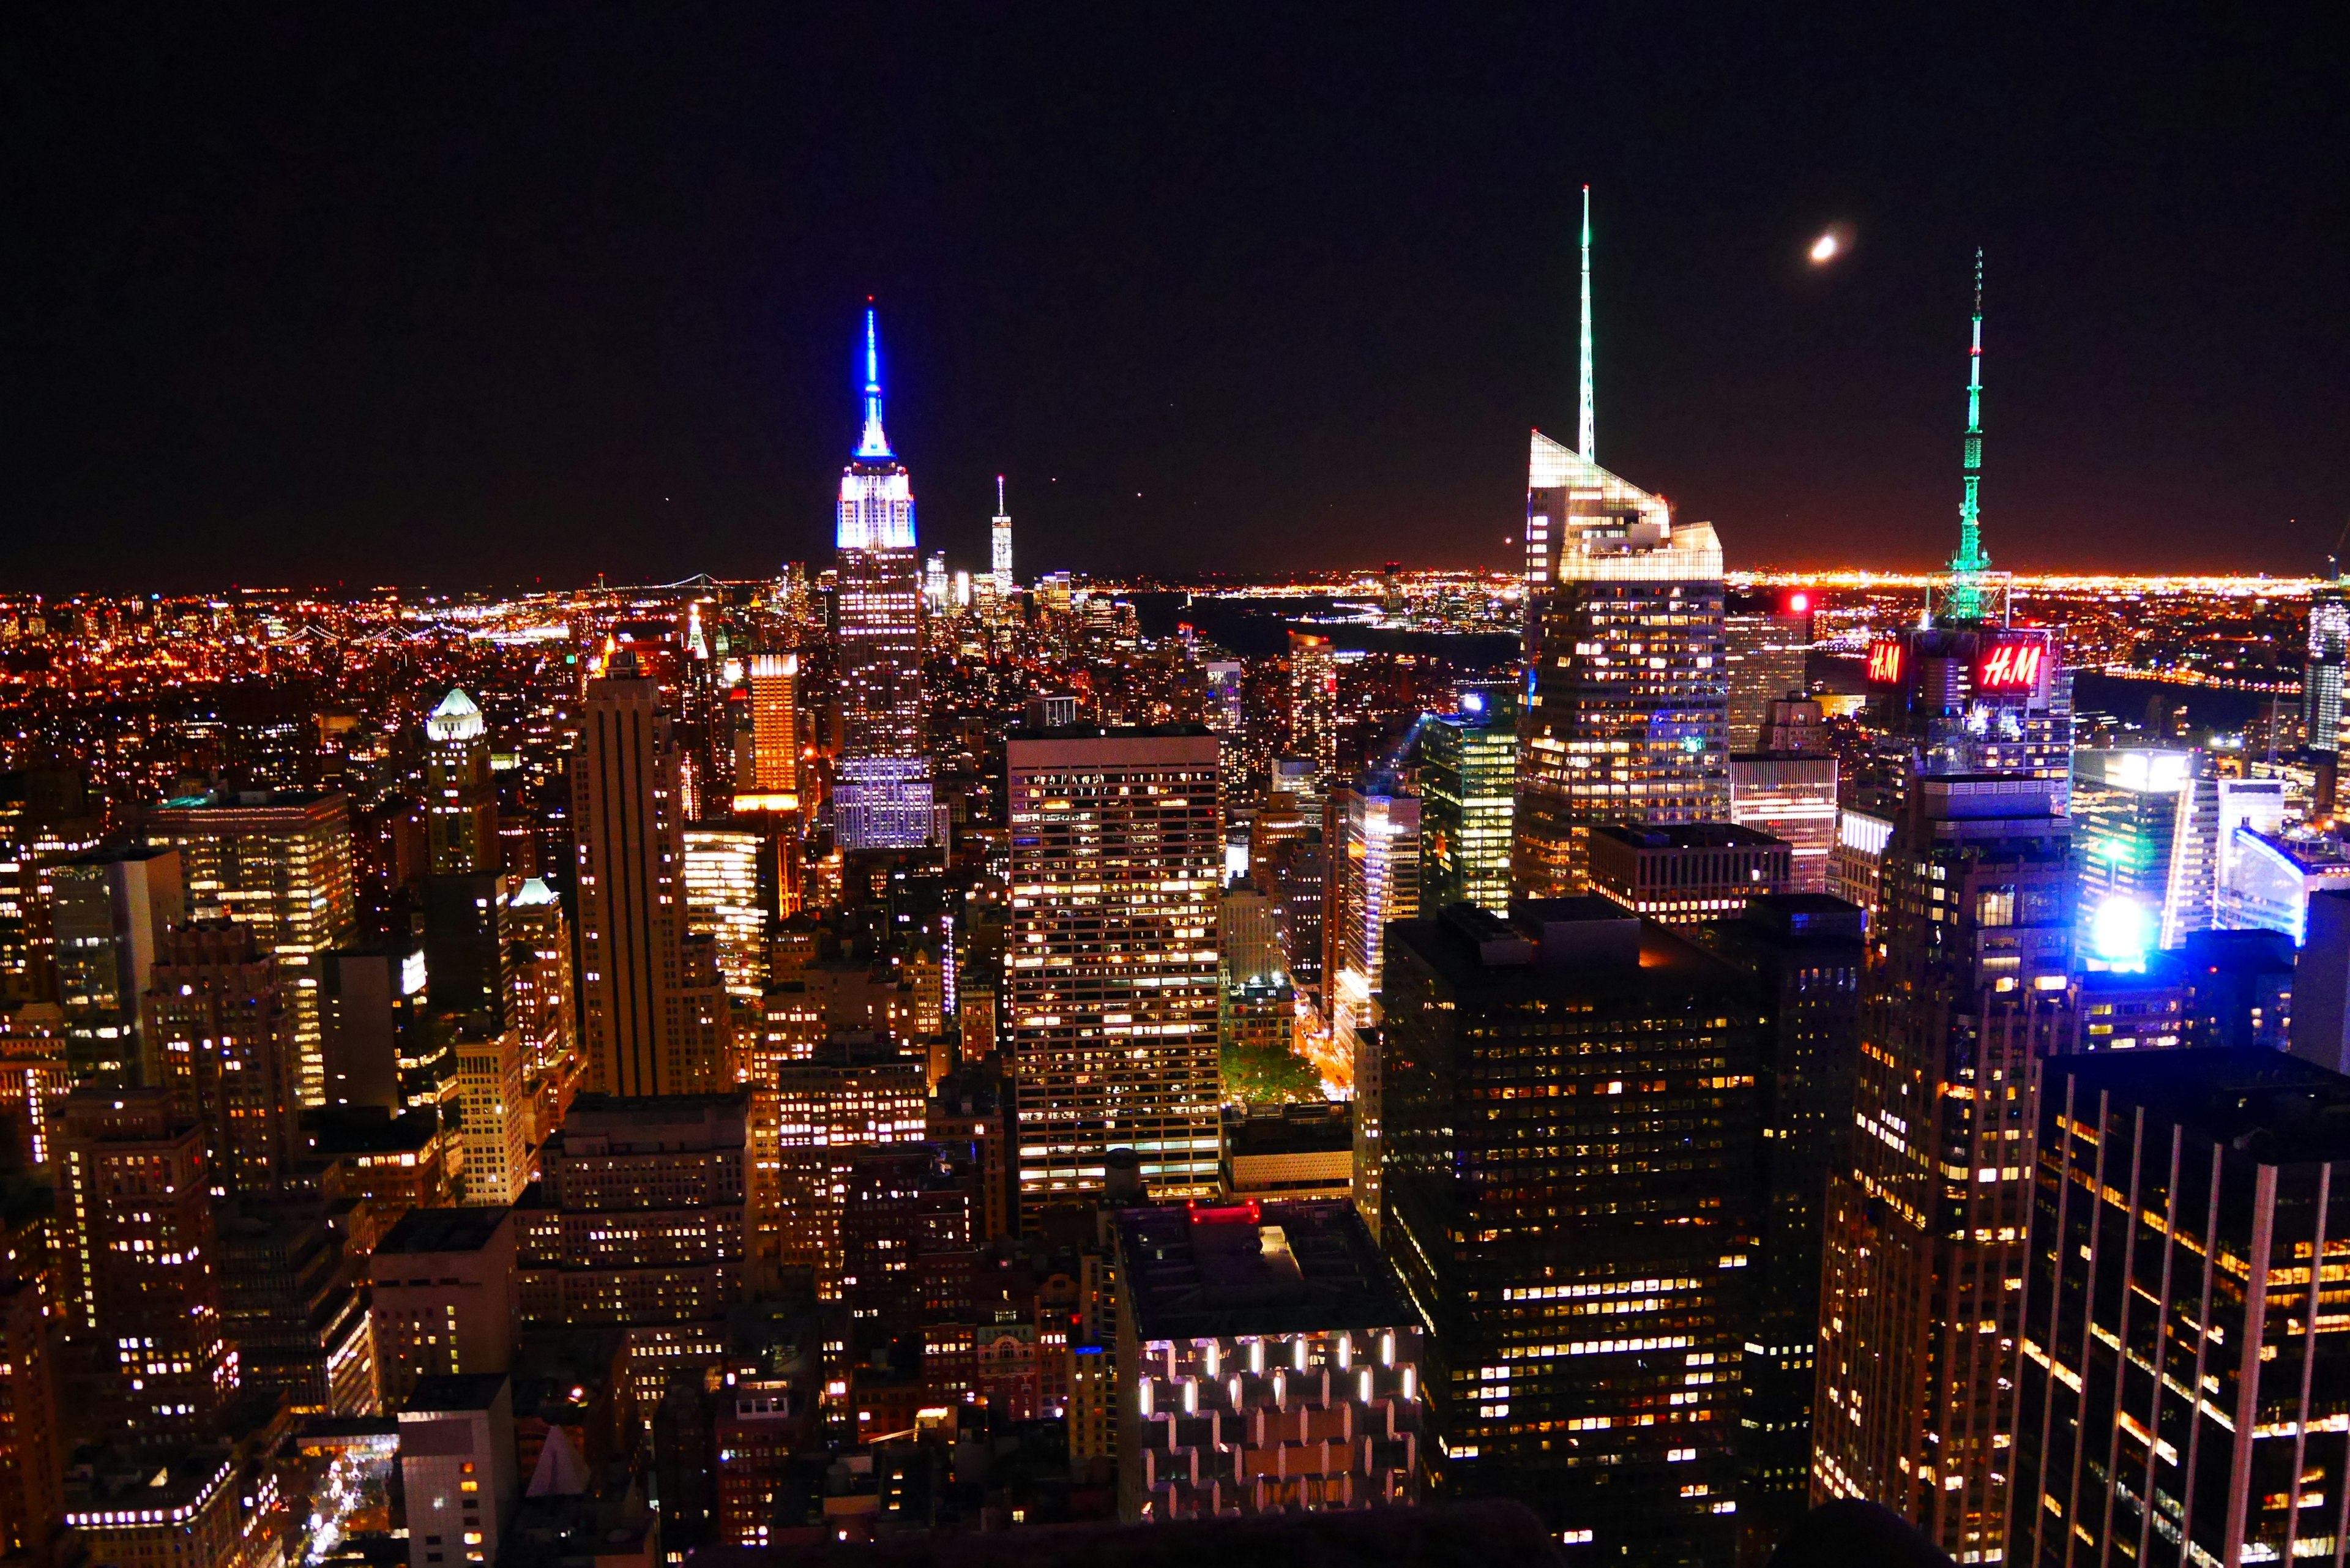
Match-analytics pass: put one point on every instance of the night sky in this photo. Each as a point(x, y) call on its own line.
point(459, 296)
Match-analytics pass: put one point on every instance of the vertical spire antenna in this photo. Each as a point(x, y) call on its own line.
point(1964, 599)
point(999, 495)
point(1587, 424)
point(874, 441)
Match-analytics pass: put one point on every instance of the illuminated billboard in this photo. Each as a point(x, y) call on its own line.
point(2010, 663)
point(1884, 662)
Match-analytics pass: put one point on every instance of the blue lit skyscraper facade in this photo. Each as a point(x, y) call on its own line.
point(883, 799)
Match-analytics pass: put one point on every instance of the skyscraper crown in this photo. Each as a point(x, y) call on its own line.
point(874, 442)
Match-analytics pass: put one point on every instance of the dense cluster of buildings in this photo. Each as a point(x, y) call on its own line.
point(887, 1049)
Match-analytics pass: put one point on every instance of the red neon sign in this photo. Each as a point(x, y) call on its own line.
point(2010, 665)
point(1885, 661)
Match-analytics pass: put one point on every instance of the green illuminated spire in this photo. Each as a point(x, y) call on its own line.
point(1587, 430)
point(1963, 602)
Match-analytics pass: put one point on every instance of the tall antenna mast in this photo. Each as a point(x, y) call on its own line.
point(1964, 600)
point(1587, 430)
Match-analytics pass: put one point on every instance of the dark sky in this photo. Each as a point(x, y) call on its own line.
point(456, 294)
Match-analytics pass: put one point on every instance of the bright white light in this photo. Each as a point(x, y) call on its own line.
point(1826, 247)
point(2121, 930)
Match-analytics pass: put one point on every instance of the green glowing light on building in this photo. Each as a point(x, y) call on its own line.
point(1964, 600)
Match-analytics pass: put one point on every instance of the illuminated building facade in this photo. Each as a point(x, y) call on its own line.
point(2147, 835)
point(883, 799)
point(1856, 863)
point(1976, 698)
point(281, 862)
point(722, 886)
point(1626, 715)
point(1226, 698)
point(1468, 787)
point(637, 1217)
point(2321, 679)
point(1374, 873)
point(110, 911)
point(177, 1508)
point(491, 1064)
point(222, 1028)
point(457, 1468)
point(135, 1264)
point(538, 970)
point(848, 1095)
point(1682, 876)
point(1766, 640)
point(461, 803)
point(2267, 879)
point(1926, 1228)
point(1110, 983)
point(1791, 797)
point(1314, 704)
point(442, 1299)
point(1267, 1364)
point(2177, 1400)
point(1571, 1113)
point(32, 1441)
point(292, 1301)
point(45, 816)
point(1374, 879)
point(1802, 958)
point(625, 813)
point(776, 724)
point(999, 534)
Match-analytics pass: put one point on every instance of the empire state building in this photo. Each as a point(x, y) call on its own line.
point(883, 799)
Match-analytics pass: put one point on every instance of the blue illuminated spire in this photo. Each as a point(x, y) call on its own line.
point(874, 442)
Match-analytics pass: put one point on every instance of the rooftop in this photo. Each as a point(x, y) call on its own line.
point(2277, 1109)
point(1685, 836)
point(1254, 1268)
point(449, 1391)
point(159, 1487)
point(444, 1230)
point(1588, 943)
point(366, 1129)
point(1292, 1129)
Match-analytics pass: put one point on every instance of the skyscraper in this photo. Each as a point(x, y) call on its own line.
point(281, 862)
point(110, 911)
point(2179, 1400)
point(1314, 704)
point(2321, 681)
point(775, 724)
point(220, 1028)
point(1570, 1116)
point(1468, 788)
point(1766, 638)
point(1802, 956)
point(1374, 879)
point(631, 909)
point(142, 1305)
point(720, 882)
point(640, 1218)
point(1626, 715)
point(1790, 797)
point(1000, 544)
point(1110, 986)
point(461, 803)
point(1918, 1331)
point(883, 796)
point(1925, 1234)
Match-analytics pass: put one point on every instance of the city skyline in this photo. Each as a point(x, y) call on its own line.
point(1319, 987)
